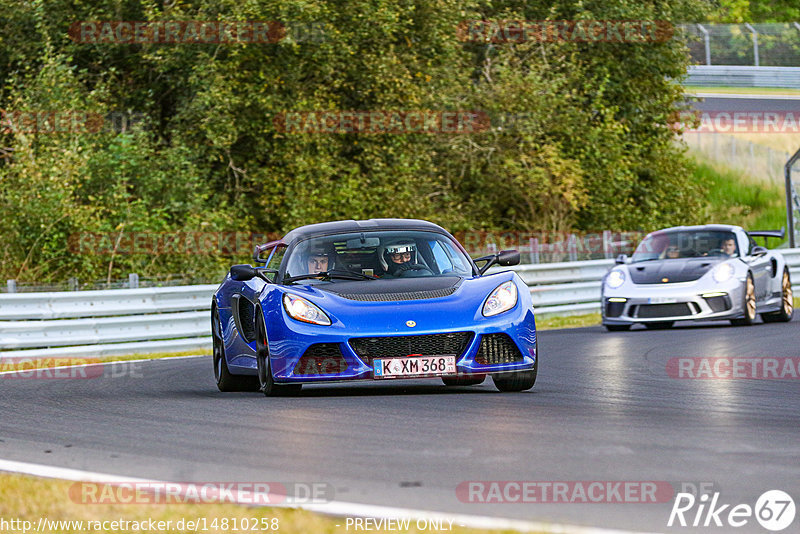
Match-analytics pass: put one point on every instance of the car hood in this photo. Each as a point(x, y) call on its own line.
point(671, 271)
point(386, 290)
point(430, 302)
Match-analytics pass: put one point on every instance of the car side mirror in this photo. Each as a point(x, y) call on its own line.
point(243, 273)
point(508, 257)
point(504, 258)
point(758, 251)
point(621, 259)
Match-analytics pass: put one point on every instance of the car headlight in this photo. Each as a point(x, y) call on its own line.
point(723, 272)
point(615, 279)
point(302, 310)
point(503, 298)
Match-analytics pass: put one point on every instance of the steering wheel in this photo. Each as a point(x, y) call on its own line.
point(417, 269)
point(716, 252)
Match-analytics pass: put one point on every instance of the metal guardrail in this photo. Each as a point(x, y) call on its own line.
point(125, 321)
point(743, 76)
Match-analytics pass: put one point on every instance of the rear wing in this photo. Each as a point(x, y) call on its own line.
point(779, 234)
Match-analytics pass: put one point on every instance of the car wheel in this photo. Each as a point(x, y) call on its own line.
point(518, 380)
point(464, 380)
point(617, 327)
point(266, 382)
point(748, 304)
point(787, 303)
point(222, 376)
point(659, 325)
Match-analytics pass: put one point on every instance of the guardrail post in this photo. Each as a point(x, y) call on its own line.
point(533, 244)
point(755, 40)
point(707, 43)
point(607, 244)
point(572, 248)
point(73, 284)
point(11, 285)
point(133, 281)
point(790, 193)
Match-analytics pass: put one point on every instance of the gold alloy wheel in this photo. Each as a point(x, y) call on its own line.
point(788, 297)
point(750, 299)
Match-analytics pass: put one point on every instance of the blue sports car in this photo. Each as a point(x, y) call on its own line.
point(378, 300)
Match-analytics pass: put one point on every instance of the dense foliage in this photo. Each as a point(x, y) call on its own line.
point(579, 136)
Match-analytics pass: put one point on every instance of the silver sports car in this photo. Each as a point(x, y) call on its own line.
point(697, 272)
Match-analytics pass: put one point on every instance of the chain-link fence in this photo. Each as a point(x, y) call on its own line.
point(133, 281)
point(774, 45)
point(759, 161)
point(534, 248)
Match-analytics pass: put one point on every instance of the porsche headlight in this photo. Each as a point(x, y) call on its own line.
point(302, 310)
point(723, 272)
point(503, 298)
point(615, 278)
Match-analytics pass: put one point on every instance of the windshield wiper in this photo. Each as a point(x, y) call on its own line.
point(328, 275)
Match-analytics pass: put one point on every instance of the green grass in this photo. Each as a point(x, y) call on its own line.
point(777, 91)
point(568, 321)
point(732, 197)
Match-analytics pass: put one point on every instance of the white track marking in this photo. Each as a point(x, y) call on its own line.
point(93, 364)
point(334, 508)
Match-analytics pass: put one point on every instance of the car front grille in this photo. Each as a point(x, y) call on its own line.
point(395, 297)
point(496, 349)
point(654, 311)
point(321, 359)
point(368, 348)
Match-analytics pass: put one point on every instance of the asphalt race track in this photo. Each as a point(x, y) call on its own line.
point(604, 408)
point(734, 103)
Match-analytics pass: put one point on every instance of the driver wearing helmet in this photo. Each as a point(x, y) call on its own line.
point(400, 257)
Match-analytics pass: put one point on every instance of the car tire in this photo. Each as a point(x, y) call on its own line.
point(222, 376)
point(463, 380)
point(787, 302)
point(266, 382)
point(659, 325)
point(518, 380)
point(617, 327)
point(748, 304)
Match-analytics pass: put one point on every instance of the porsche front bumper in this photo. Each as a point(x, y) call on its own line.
point(684, 301)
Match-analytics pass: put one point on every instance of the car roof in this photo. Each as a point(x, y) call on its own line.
point(337, 227)
point(702, 227)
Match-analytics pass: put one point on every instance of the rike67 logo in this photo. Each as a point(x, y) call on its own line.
point(774, 510)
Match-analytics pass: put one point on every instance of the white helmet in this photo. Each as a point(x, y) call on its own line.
point(398, 247)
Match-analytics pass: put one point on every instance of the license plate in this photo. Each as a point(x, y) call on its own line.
point(662, 300)
point(417, 366)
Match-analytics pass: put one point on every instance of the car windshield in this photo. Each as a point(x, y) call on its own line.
point(376, 254)
point(686, 244)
